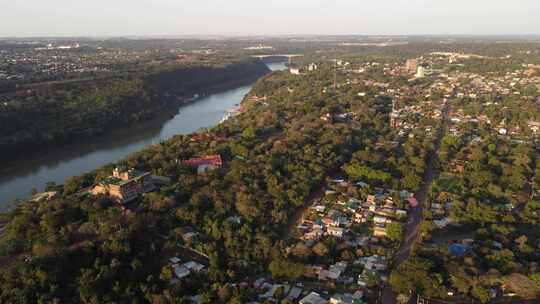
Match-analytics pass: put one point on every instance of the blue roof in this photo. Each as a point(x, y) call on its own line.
point(459, 249)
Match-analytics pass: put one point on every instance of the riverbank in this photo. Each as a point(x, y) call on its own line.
point(57, 164)
point(69, 114)
point(167, 108)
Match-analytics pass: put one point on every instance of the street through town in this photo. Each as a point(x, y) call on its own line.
point(413, 226)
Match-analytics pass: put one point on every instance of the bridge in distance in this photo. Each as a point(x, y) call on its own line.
point(277, 55)
point(288, 56)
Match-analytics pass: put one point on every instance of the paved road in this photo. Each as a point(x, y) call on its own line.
point(412, 228)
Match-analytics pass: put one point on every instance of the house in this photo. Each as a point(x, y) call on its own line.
point(180, 271)
point(313, 67)
point(335, 231)
point(362, 281)
point(335, 270)
point(189, 236)
point(314, 235)
point(328, 221)
point(258, 283)
point(442, 223)
point(273, 289)
point(347, 298)
point(319, 224)
point(362, 184)
point(313, 298)
point(374, 262)
point(124, 186)
point(359, 241)
point(381, 219)
point(193, 266)
point(313, 271)
point(319, 208)
point(294, 293)
point(379, 231)
point(196, 299)
point(534, 126)
point(204, 163)
point(295, 71)
point(44, 196)
point(341, 299)
point(459, 250)
point(323, 275)
point(360, 217)
point(404, 194)
point(401, 213)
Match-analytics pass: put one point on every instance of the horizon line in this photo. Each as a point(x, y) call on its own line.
point(199, 36)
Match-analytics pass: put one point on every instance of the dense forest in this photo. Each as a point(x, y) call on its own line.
point(61, 113)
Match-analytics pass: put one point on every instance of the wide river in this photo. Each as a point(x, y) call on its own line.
point(17, 180)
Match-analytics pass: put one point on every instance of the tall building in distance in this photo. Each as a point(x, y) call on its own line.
point(421, 72)
point(411, 65)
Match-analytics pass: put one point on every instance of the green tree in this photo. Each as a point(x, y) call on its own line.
point(394, 231)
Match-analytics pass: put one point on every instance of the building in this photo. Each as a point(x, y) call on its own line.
point(295, 71)
point(204, 163)
point(377, 219)
point(335, 231)
point(45, 196)
point(193, 266)
point(313, 298)
point(124, 186)
point(534, 126)
point(420, 72)
point(411, 65)
point(374, 262)
point(180, 271)
point(379, 231)
point(294, 293)
point(347, 298)
point(459, 250)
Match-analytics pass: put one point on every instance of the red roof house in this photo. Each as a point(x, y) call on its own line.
point(204, 163)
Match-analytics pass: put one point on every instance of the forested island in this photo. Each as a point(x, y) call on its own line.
point(44, 116)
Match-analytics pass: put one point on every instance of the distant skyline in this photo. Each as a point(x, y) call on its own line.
point(32, 18)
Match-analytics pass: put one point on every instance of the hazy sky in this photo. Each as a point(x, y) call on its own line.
point(264, 17)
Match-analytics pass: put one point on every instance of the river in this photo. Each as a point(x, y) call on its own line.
point(17, 181)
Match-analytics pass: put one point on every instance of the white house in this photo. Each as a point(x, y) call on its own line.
point(335, 231)
point(381, 219)
point(180, 271)
point(295, 71)
point(313, 298)
point(193, 266)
